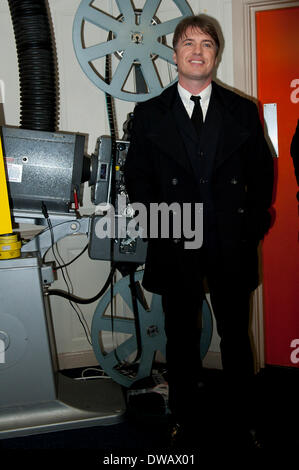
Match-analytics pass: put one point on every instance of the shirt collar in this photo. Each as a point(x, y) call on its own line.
point(204, 94)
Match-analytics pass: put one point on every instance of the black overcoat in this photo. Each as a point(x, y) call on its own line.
point(160, 168)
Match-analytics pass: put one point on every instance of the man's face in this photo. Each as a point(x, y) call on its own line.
point(195, 56)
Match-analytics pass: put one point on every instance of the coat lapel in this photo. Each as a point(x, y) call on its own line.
point(212, 130)
point(222, 133)
point(231, 133)
point(173, 122)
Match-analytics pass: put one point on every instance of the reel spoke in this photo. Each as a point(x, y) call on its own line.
point(145, 367)
point(100, 50)
point(149, 10)
point(162, 29)
point(100, 19)
point(123, 351)
point(163, 52)
point(120, 325)
point(123, 69)
point(126, 8)
point(150, 75)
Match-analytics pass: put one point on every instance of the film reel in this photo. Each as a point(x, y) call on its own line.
point(117, 361)
point(135, 37)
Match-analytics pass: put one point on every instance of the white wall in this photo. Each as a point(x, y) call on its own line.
point(83, 109)
point(82, 105)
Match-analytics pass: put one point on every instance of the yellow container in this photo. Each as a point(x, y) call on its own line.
point(10, 246)
point(5, 219)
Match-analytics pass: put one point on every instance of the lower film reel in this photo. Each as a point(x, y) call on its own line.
point(114, 339)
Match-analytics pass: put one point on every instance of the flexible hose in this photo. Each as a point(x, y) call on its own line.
point(36, 64)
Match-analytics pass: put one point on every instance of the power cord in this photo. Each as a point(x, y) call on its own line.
point(102, 375)
point(80, 300)
point(74, 259)
point(61, 265)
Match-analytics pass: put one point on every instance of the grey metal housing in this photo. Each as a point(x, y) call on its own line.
point(47, 167)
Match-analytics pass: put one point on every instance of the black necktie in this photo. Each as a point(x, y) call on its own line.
point(197, 116)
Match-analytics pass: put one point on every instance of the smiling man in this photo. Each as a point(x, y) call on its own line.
point(196, 58)
point(201, 143)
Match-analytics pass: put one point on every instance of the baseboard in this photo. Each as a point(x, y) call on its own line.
point(74, 360)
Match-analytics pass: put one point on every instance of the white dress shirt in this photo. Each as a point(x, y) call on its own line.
point(189, 104)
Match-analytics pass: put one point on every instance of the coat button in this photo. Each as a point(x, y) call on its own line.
point(174, 181)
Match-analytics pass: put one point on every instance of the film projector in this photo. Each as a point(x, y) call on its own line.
point(35, 396)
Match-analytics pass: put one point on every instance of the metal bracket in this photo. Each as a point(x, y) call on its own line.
point(43, 241)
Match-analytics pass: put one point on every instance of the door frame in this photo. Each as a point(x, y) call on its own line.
point(244, 40)
point(245, 80)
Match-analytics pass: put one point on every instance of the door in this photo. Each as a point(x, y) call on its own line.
point(277, 39)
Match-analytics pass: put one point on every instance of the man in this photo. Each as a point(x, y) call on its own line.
point(223, 162)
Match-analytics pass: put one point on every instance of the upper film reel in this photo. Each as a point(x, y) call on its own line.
point(135, 38)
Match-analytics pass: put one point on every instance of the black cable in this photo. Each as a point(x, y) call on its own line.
point(74, 259)
point(86, 330)
point(70, 290)
point(61, 266)
point(79, 300)
point(136, 315)
point(46, 215)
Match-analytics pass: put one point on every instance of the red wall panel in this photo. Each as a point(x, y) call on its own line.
point(278, 82)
